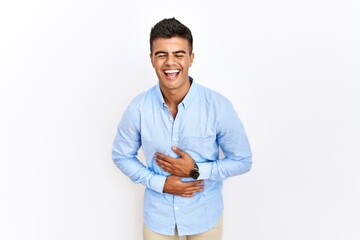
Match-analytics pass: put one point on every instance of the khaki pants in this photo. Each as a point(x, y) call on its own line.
point(214, 233)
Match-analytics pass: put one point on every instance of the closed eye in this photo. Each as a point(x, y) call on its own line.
point(160, 54)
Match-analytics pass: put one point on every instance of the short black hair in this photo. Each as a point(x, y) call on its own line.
point(168, 28)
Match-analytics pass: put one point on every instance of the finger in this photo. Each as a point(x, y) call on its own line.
point(194, 184)
point(196, 188)
point(178, 151)
point(160, 155)
point(162, 163)
point(193, 190)
point(164, 157)
point(187, 195)
point(198, 183)
point(164, 167)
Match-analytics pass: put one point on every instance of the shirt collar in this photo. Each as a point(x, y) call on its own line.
point(188, 98)
point(191, 93)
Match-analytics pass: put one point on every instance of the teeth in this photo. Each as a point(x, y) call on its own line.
point(172, 71)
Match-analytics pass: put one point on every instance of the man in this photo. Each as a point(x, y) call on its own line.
point(181, 127)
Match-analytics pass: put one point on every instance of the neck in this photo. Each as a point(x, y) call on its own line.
point(173, 97)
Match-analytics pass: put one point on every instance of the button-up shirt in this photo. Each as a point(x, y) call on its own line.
point(208, 129)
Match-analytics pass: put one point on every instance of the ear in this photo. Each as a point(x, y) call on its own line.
point(192, 56)
point(151, 59)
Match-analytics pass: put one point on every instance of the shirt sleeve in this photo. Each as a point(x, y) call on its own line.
point(233, 142)
point(126, 144)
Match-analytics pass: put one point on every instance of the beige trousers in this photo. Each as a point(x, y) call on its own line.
point(214, 233)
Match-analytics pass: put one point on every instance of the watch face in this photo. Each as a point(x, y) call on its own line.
point(194, 174)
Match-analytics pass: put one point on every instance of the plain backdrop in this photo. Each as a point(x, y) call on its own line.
point(69, 68)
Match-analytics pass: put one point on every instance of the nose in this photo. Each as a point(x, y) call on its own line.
point(170, 60)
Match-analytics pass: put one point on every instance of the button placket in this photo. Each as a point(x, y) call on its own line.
point(175, 130)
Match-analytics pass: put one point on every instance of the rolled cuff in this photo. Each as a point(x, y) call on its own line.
point(157, 183)
point(204, 170)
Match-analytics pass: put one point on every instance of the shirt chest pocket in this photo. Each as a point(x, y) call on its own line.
point(202, 148)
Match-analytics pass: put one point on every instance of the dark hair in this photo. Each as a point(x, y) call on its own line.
point(168, 28)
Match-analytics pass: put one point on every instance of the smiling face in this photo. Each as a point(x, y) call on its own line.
point(171, 59)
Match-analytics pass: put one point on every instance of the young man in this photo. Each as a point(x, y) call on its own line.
point(181, 127)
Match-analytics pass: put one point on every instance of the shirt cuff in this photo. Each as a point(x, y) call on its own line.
point(157, 183)
point(204, 170)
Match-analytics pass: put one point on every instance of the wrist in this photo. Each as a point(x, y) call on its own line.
point(194, 173)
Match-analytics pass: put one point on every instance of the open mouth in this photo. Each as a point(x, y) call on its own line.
point(172, 73)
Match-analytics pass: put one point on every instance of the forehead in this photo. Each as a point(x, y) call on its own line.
point(170, 44)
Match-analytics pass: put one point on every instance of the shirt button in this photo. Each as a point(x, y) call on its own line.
point(175, 139)
point(176, 208)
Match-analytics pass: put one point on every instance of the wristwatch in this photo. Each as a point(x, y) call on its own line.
point(195, 172)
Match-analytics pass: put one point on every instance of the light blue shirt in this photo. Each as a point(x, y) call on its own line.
point(205, 123)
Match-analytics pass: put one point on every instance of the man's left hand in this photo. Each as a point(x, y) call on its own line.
point(180, 167)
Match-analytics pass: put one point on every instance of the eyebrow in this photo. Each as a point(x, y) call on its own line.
point(181, 51)
point(176, 52)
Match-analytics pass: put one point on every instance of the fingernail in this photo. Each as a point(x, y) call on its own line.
point(174, 148)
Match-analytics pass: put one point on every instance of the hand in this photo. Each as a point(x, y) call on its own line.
point(180, 167)
point(174, 185)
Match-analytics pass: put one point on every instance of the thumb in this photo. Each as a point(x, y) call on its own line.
point(178, 151)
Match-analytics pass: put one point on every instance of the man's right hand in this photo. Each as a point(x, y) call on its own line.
point(174, 185)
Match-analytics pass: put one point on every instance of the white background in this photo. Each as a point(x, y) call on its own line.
point(69, 68)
